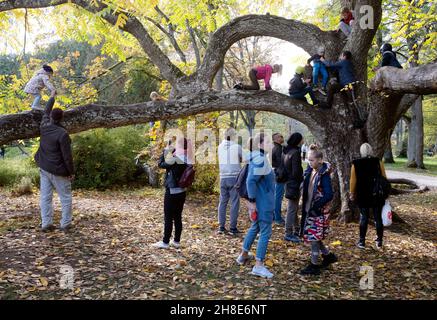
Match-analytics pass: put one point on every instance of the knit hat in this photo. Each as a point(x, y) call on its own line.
point(300, 70)
point(294, 139)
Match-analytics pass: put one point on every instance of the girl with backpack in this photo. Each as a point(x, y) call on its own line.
point(175, 161)
point(261, 203)
point(317, 195)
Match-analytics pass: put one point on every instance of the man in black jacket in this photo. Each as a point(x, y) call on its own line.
point(278, 140)
point(389, 57)
point(54, 158)
point(293, 168)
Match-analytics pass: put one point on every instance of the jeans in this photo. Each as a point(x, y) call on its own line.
point(265, 231)
point(36, 101)
point(279, 195)
point(301, 95)
point(63, 188)
point(345, 28)
point(292, 220)
point(173, 206)
point(320, 68)
point(364, 221)
point(228, 192)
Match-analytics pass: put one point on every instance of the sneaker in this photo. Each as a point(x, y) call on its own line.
point(234, 232)
point(378, 244)
point(328, 259)
point(243, 260)
point(261, 271)
point(160, 245)
point(322, 91)
point(48, 228)
point(175, 244)
point(222, 230)
point(311, 269)
point(37, 109)
point(361, 245)
point(238, 86)
point(293, 238)
point(66, 228)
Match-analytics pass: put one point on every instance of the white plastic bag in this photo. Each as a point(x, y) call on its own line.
point(387, 214)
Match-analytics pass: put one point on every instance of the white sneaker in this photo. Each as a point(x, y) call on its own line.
point(175, 244)
point(241, 261)
point(261, 271)
point(160, 245)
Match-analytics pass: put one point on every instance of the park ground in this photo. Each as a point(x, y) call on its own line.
point(109, 250)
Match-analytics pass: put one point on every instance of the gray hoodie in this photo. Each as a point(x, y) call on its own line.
point(40, 80)
point(229, 154)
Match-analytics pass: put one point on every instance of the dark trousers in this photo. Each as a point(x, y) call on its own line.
point(301, 95)
point(173, 206)
point(254, 81)
point(364, 221)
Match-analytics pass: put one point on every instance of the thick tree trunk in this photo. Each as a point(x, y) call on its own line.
point(388, 154)
point(411, 147)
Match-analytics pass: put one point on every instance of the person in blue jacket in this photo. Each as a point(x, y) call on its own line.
point(261, 191)
point(345, 74)
point(317, 196)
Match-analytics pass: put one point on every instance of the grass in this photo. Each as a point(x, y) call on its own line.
point(12, 170)
point(401, 165)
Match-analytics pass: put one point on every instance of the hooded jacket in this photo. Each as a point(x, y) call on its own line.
point(261, 185)
point(40, 80)
point(296, 84)
point(345, 71)
point(54, 153)
point(230, 155)
point(389, 59)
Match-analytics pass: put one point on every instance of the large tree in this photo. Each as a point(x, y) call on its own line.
point(391, 91)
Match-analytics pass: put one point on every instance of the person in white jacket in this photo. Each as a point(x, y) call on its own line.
point(40, 80)
point(230, 156)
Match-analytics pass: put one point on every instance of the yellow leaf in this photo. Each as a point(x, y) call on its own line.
point(77, 291)
point(195, 226)
point(336, 243)
point(269, 263)
point(44, 281)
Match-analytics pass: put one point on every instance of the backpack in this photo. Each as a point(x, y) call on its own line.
point(240, 185)
point(381, 187)
point(281, 172)
point(187, 177)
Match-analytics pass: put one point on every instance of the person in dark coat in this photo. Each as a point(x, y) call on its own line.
point(389, 57)
point(293, 168)
point(299, 87)
point(316, 199)
point(174, 161)
point(55, 160)
point(362, 180)
point(278, 140)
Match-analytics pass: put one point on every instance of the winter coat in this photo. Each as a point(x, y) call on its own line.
point(389, 59)
point(261, 185)
point(54, 153)
point(276, 155)
point(294, 170)
point(230, 155)
point(315, 222)
point(363, 174)
point(296, 84)
point(40, 80)
point(264, 72)
point(345, 71)
point(174, 168)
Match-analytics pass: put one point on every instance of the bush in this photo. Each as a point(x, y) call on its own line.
point(105, 157)
point(206, 179)
point(14, 169)
point(25, 186)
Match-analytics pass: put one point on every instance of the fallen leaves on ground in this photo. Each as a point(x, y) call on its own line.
point(110, 252)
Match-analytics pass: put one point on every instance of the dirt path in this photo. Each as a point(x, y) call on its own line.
point(430, 181)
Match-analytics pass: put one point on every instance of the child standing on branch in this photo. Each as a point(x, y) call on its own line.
point(319, 68)
point(260, 73)
point(40, 80)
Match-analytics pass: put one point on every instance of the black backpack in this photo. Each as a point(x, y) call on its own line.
point(381, 187)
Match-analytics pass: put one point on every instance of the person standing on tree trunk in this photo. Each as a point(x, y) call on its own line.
point(319, 69)
point(261, 192)
point(40, 80)
point(278, 140)
point(230, 155)
point(293, 168)
point(260, 73)
point(54, 158)
point(362, 182)
point(174, 161)
point(317, 195)
point(389, 57)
